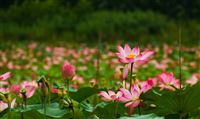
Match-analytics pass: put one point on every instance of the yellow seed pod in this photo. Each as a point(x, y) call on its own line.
point(62, 92)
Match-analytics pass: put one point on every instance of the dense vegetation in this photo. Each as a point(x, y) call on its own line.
point(83, 20)
point(53, 82)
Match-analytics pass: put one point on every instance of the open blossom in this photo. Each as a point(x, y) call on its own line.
point(78, 79)
point(110, 95)
point(193, 79)
point(131, 98)
point(168, 81)
point(128, 55)
point(148, 84)
point(4, 105)
point(68, 70)
point(29, 86)
point(5, 76)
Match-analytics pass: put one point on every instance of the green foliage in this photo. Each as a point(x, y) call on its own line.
point(82, 20)
point(83, 93)
point(148, 116)
point(173, 103)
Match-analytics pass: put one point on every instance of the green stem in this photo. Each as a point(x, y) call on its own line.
point(22, 114)
point(68, 85)
point(116, 109)
point(180, 75)
point(72, 110)
point(131, 76)
point(139, 111)
point(70, 100)
point(9, 111)
point(45, 110)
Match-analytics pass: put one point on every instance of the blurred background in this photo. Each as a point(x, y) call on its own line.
point(155, 21)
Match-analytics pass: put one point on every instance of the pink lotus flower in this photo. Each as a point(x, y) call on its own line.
point(4, 83)
point(148, 84)
point(5, 76)
point(131, 98)
point(74, 86)
point(128, 55)
point(78, 79)
point(32, 46)
point(193, 79)
point(93, 82)
point(29, 86)
point(68, 70)
point(4, 105)
point(54, 90)
point(15, 88)
point(110, 96)
point(4, 90)
point(168, 81)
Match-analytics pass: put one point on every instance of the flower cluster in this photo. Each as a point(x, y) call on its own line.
point(130, 93)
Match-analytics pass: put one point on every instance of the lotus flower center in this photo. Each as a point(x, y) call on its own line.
point(129, 56)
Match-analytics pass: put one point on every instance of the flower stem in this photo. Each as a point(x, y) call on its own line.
point(180, 75)
point(44, 103)
point(67, 85)
point(9, 110)
point(116, 109)
point(22, 114)
point(131, 75)
point(139, 111)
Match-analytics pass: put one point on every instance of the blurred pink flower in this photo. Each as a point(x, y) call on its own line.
point(15, 88)
point(5, 76)
point(4, 90)
point(168, 81)
point(74, 86)
point(167, 50)
point(54, 90)
point(125, 72)
point(86, 51)
point(110, 96)
point(78, 79)
point(59, 51)
point(93, 82)
point(48, 49)
point(4, 83)
point(4, 105)
point(193, 64)
point(118, 72)
point(32, 46)
point(148, 84)
point(68, 70)
point(193, 79)
point(163, 66)
point(29, 86)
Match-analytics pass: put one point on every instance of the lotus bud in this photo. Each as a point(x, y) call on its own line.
point(68, 70)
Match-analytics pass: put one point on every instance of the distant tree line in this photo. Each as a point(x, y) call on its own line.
point(82, 20)
point(178, 9)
